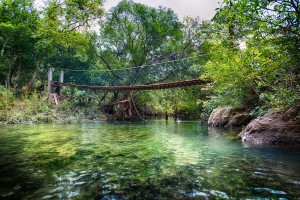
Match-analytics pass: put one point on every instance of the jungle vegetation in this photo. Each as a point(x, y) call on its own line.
point(251, 47)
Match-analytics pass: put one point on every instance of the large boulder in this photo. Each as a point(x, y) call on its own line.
point(228, 117)
point(274, 128)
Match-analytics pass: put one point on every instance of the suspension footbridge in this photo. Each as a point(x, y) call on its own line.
point(165, 75)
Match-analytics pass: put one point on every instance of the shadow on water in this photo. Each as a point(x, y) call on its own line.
point(152, 160)
point(16, 179)
point(26, 161)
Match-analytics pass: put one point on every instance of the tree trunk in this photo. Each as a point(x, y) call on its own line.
point(166, 115)
point(8, 79)
point(3, 47)
point(176, 109)
point(176, 114)
point(30, 84)
point(10, 70)
point(15, 82)
point(125, 110)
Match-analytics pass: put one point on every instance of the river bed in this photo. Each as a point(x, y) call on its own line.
point(141, 160)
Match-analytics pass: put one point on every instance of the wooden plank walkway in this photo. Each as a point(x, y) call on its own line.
point(156, 86)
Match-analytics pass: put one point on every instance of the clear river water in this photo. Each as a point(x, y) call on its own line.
point(141, 160)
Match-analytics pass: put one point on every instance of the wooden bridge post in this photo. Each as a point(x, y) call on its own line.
point(61, 80)
point(61, 76)
point(50, 75)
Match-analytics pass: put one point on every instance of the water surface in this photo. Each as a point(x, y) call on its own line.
point(151, 160)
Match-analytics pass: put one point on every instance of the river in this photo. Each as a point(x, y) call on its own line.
point(141, 160)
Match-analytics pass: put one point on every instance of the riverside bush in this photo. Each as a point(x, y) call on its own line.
point(6, 98)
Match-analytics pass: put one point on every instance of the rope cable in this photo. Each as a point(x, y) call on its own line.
point(142, 66)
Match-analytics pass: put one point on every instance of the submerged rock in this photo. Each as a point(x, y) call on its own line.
point(228, 117)
point(274, 128)
point(195, 193)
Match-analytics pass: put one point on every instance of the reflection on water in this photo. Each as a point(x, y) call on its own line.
point(152, 160)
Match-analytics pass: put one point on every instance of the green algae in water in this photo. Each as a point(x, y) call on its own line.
point(152, 160)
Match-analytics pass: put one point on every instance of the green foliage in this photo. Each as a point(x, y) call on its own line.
point(36, 103)
point(134, 34)
point(17, 22)
point(32, 40)
point(35, 108)
point(264, 73)
point(156, 102)
point(184, 102)
point(251, 77)
point(6, 98)
point(81, 105)
point(32, 108)
point(253, 17)
point(58, 29)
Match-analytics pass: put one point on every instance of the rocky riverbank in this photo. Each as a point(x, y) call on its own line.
point(228, 117)
point(274, 128)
